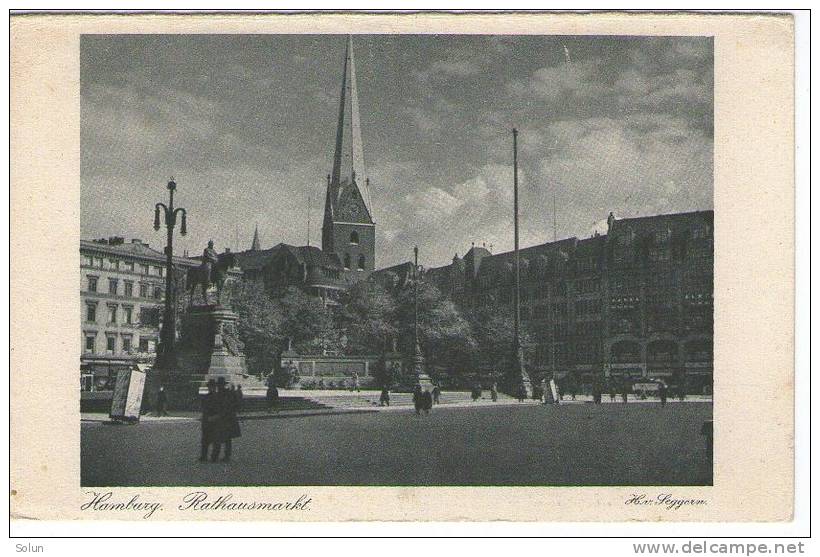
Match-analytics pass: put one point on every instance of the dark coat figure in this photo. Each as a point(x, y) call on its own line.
point(426, 401)
point(662, 393)
point(624, 392)
point(417, 399)
point(210, 414)
point(681, 393)
point(476, 393)
point(612, 393)
point(240, 399)
point(707, 430)
point(494, 393)
point(522, 393)
point(596, 393)
point(162, 402)
point(384, 397)
point(436, 394)
point(272, 395)
point(227, 424)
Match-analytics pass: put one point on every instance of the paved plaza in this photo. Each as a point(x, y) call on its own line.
point(572, 444)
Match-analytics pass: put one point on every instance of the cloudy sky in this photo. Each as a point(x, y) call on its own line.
point(246, 125)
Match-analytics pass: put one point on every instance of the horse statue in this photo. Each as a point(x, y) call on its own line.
point(212, 271)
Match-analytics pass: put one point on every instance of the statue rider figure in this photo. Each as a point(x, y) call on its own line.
point(209, 259)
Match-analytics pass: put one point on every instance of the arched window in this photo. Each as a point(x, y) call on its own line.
point(354, 238)
point(361, 262)
point(347, 261)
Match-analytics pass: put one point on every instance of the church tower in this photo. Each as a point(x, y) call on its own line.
point(348, 229)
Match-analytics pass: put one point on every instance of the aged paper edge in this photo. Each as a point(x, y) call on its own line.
point(754, 274)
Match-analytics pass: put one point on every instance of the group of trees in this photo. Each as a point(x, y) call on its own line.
point(369, 320)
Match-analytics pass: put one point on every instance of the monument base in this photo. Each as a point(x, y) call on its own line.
point(517, 377)
point(209, 348)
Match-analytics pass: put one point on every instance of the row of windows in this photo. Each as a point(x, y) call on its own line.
point(126, 343)
point(123, 315)
point(699, 232)
point(145, 290)
point(119, 265)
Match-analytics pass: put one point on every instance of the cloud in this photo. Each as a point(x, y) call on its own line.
point(681, 87)
point(458, 64)
point(574, 79)
point(645, 163)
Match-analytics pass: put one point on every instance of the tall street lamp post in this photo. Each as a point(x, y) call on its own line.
point(421, 378)
point(166, 357)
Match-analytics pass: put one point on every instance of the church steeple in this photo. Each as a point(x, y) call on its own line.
point(255, 245)
point(348, 182)
point(348, 228)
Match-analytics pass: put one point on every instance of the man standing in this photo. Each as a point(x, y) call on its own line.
point(209, 418)
point(418, 399)
point(272, 394)
point(162, 401)
point(662, 393)
point(427, 402)
point(227, 424)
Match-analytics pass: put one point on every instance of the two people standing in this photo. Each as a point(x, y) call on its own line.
point(220, 424)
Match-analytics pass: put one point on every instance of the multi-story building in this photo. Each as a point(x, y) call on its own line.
point(122, 292)
point(635, 302)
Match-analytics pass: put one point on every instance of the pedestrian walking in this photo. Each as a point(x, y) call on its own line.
point(707, 430)
point(476, 391)
point(427, 402)
point(596, 392)
point(240, 399)
point(162, 401)
point(494, 392)
point(662, 393)
point(210, 414)
point(436, 394)
point(612, 392)
point(384, 397)
point(417, 399)
point(522, 393)
point(681, 393)
point(624, 391)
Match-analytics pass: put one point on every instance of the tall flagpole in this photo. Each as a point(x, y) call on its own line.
point(519, 379)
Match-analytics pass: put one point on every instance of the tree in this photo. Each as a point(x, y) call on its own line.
point(367, 318)
point(493, 327)
point(307, 322)
point(260, 325)
point(445, 335)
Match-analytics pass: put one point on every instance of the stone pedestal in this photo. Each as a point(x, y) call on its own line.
point(416, 374)
point(209, 348)
point(517, 376)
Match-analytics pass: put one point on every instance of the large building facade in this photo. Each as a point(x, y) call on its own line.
point(122, 293)
point(633, 303)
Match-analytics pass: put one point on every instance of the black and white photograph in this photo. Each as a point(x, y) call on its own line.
point(396, 260)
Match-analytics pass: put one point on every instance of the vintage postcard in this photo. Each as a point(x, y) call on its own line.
point(520, 267)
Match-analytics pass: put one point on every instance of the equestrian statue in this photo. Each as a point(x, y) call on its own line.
point(212, 271)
